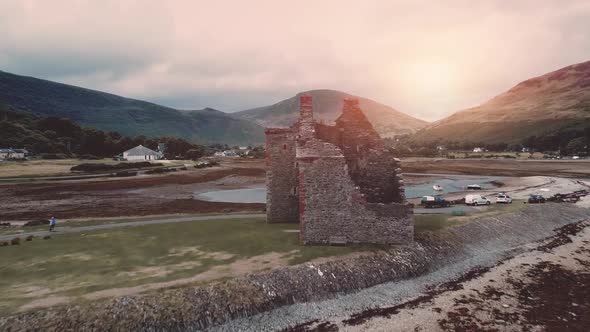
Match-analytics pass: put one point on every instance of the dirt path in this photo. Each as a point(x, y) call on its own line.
point(67, 230)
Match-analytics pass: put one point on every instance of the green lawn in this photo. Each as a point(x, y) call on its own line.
point(516, 155)
point(43, 167)
point(73, 223)
point(83, 266)
point(72, 265)
point(434, 222)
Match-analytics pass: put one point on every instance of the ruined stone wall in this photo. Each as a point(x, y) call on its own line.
point(330, 134)
point(379, 177)
point(371, 167)
point(334, 210)
point(282, 204)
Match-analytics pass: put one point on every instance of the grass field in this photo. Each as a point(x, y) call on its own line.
point(33, 168)
point(73, 223)
point(434, 222)
point(82, 267)
point(77, 267)
point(516, 155)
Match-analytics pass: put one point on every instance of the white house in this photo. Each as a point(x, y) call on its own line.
point(6, 153)
point(13, 153)
point(140, 152)
point(226, 153)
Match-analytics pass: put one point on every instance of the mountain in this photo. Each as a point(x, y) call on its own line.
point(538, 106)
point(130, 117)
point(327, 105)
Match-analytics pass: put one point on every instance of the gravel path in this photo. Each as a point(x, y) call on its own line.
point(66, 230)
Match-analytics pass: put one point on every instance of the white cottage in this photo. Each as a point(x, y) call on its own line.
point(140, 152)
point(13, 153)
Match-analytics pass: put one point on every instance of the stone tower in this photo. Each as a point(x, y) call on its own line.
point(338, 182)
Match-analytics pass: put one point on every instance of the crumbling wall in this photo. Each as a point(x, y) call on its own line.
point(281, 176)
point(370, 165)
point(334, 210)
point(327, 133)
point(339, 182)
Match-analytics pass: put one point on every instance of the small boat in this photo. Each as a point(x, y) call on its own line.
point(437, 187)
point(474, 187)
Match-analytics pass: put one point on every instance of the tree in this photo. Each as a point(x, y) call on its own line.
point(576, 146)
point(63, 127)
point(194, 154)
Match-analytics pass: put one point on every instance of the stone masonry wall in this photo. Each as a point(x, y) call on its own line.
point(339, 182)
point(333, 209)
point(282, 203)
point(372, 167)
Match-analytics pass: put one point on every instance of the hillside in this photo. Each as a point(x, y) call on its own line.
point(127, 116)
point(538, 106)
point(327, 106)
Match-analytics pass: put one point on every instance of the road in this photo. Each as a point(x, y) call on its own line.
point(67, 230)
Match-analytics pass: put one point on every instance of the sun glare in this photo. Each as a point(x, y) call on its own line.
point(430, 80)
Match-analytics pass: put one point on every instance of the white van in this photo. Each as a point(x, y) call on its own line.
point(503, 199)
point(477, 200)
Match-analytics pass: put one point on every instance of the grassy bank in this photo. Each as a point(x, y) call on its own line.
point(71, 268)
point(44, 167)
point(434, 222)
point(78, 267)
point(74, 223)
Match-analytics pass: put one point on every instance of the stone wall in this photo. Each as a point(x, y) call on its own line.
point(334, 210)
point(370, 165)
point(281, 177)
point(339, 182)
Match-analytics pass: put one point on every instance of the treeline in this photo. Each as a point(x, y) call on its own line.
point(54, 137)
point(564, 142)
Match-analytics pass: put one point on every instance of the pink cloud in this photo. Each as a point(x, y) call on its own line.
point(426, 58)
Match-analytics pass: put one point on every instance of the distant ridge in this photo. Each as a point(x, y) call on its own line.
point(538, 106)
point(327, 106)
point(130, 117)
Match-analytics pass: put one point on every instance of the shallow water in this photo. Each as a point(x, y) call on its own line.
point(450, 184)
point(248, 195)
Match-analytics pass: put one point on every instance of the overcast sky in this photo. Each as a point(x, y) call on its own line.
point(424, 58)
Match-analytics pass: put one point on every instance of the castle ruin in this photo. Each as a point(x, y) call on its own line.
point(338, 182)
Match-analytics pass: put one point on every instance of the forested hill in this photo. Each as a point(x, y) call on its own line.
point(127, 116)
point(53, 137)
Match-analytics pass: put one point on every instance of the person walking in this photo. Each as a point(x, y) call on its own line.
point(52, 224)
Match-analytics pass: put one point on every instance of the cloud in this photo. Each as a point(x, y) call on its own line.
point(426, 58)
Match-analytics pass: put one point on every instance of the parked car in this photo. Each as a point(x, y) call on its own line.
point(534, 198)
point(503, 199)
point(432, 202)
point(477, 200)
